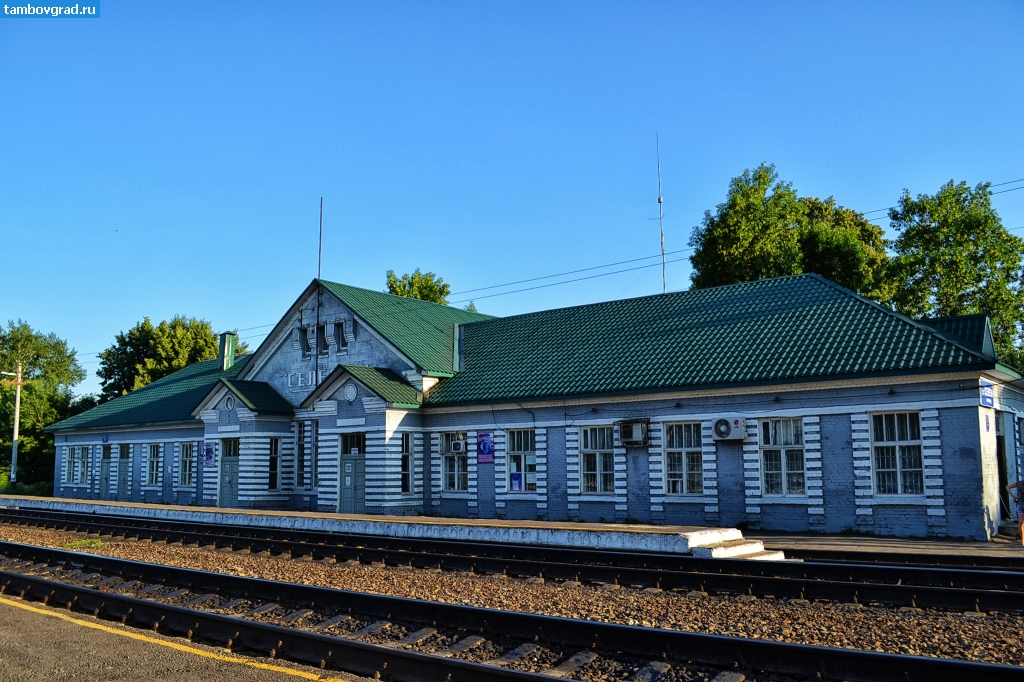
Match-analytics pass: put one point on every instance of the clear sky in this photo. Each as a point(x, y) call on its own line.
point(169, 157)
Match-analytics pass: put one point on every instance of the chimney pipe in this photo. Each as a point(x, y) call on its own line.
point(228, 344)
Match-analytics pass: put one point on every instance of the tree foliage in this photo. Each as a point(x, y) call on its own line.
point(148, 352)
point(764, 229)
point(752, 235)
point(50, 370)
point(425, 286)
point(954, 257)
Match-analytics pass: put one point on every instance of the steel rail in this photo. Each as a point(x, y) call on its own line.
point(899, 586)
point(389, 662)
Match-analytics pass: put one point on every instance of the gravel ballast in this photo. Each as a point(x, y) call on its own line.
point(985, 637)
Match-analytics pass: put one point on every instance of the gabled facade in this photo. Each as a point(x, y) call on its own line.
point(787, 404)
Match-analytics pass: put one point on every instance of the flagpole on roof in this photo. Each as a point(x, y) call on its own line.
point(661, 218)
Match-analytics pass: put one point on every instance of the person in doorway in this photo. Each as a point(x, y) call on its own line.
point(1017, 490)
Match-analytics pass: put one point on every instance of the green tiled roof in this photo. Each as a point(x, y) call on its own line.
point(778, 330)
point(167, 401)
point(259, 396)
point(421, 330)
point(387, 384)
point(973, 330)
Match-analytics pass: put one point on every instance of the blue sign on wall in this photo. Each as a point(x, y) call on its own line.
point(988, 395)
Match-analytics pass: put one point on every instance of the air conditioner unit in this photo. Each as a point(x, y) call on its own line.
point(728, 428)
point(633, 432)
point(458, 446)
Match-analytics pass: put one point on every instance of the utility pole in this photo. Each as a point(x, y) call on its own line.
point(18, 383)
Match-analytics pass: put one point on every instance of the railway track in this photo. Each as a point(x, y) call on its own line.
point(965, 589)
point(411, 640)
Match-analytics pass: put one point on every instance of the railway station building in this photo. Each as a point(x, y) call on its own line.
point(781, 404)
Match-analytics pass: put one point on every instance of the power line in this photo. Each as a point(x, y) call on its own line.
point(578, 279)
point(998, 184)
point(570, 272)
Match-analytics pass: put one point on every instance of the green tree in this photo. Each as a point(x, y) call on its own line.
point(752, 235)
point(954, 257)
point(471, 307)
point(764, 229)
point(841, 245)
point(148, 352)
point(425, 286)
point(50, 370)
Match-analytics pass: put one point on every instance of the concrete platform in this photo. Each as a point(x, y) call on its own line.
point(998, 546)
point(674, 539)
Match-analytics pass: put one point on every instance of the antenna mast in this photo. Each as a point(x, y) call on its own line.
point(320, 251)
point(319, 259)
point(661, 218)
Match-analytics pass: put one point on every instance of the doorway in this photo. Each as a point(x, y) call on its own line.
point(229, 473)
point(105, 474)
point(352, 477)
point(124, 458)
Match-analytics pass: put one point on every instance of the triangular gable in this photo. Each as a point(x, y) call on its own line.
point(257, 396)
point(382, 382)
point(975, 331)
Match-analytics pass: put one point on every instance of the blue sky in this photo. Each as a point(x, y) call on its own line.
point(169, 158)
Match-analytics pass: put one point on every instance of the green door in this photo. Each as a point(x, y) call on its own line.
point(353, 484)
point(229, 473)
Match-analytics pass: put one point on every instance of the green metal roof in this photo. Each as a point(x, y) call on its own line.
point(387, 384)
point(779, 330)
point(259, 396)
point(166, 401)
point(973, 330)
point(421, 330)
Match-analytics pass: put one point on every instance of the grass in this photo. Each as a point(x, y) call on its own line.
point(91, 543)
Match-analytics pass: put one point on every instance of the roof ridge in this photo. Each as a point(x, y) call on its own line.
point(404, 300)
point(916, 323)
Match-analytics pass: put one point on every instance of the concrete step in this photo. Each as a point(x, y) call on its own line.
point(731, 549)
point(711, 536)
point(767, 555)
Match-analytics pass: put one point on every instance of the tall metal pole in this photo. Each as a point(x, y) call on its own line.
point(17, 416)
point(661, 219)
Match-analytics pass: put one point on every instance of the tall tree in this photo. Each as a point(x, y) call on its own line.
point(841, 245)
point(50, 370)
point(752, 235)
point(148, 352)
point(425, 286)
point(764, 229)
point(954, 257)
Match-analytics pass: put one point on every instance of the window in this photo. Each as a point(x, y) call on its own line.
point(83, 463)
point(186, 465)
point(300, 454)
point(124, 451)
point(597, 461)
point(321, 340)
point(896, 446)
point(274, 465)
point(353, 443)
point(782, 456)
point(406, 462)
point(305, 342)
point(684, 460)
point(69, 464)
point(456, 463)
point(153, 465)
point(106, 452)
point(521, 445)
point(339, 335)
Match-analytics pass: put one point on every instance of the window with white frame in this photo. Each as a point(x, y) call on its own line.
point(186, 465)
point(684, 459)
point(274, 464)
point(896, 453)
point(406, 462)
point(597, 460)
point(521, 449)
point(153, 465)
point(69, 463)
point(456, 461)
point(782, 456)
point(83, 464)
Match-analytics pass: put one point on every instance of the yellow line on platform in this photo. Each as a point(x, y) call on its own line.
point(170, 645)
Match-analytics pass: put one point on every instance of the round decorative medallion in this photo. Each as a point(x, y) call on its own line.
point(230, 403)
point(350, 392)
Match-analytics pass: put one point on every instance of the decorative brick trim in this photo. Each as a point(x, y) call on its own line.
point(752, 474)
point(931, 456)
point(572, 471)
point(656, 468)
point(472, 471)
point(709, 462)
point(812, 473)
point(435, 469)
point(860, 437)
point(621, 482)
